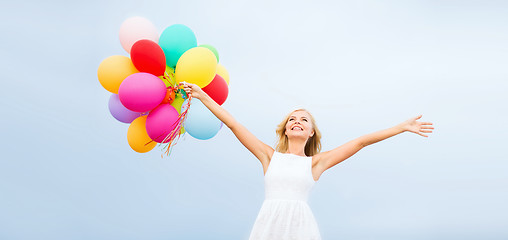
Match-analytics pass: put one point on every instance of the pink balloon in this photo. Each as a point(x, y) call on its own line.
point(161, 121)
point(141, 92)
point(134, 29)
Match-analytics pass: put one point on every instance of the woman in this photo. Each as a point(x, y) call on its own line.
point(294, 166)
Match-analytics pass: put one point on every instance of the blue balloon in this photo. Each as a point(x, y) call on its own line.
point(175, 40)
point(200, 122)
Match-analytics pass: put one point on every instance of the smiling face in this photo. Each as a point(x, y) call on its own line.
point(299, 125)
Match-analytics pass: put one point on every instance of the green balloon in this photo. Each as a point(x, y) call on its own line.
point(211, 49)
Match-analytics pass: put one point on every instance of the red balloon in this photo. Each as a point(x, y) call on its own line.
point(217, 89)
point(147, 56)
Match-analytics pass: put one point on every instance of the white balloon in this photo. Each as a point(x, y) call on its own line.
point(134, 29)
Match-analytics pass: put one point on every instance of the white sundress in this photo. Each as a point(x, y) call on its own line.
point(285, 214)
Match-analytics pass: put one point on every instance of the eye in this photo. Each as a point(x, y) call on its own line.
point(291, 119)
point(304, 119)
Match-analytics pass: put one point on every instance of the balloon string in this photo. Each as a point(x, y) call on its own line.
point(168, 78)
point(172, 75)
point(164, 78)
point(172, 138)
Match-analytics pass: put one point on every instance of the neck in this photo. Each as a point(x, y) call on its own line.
point(297, 147)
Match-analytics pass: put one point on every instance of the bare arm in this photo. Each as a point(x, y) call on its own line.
point(262, 151)
point(326, 160)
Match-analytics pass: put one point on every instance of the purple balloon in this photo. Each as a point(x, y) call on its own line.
point(161, 121)
point(141, 92)
point(119, 112)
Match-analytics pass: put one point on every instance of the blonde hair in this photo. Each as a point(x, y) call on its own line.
point(313, 145)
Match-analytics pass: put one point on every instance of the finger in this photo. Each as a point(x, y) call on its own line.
point(426, 131)
point(425, 127)
point(422, 135)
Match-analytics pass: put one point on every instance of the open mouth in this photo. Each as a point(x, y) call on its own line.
point(297, 128)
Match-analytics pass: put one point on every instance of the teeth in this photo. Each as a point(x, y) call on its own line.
point(297, 128)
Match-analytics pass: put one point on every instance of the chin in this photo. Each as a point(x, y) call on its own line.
point(297, 136)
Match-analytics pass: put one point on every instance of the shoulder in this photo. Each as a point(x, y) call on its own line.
point(272, 153)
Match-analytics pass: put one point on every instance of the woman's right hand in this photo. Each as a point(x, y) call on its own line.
point(193, 90)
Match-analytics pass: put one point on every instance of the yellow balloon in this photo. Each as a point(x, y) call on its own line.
point(221, 70)
point(197, 65)
point(177, 103)
point(113, 70)
point(138, 137)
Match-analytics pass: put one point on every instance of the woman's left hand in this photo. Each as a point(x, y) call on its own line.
point(414, 126)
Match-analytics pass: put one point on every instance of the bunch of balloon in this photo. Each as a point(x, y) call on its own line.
point(146, 87)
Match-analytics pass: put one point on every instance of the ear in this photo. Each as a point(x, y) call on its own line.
point(312, 134)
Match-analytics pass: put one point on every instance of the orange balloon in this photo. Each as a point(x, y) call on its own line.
point(137, 136)
point(113, 70)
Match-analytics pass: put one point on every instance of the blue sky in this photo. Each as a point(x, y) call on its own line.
point(67, 172)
